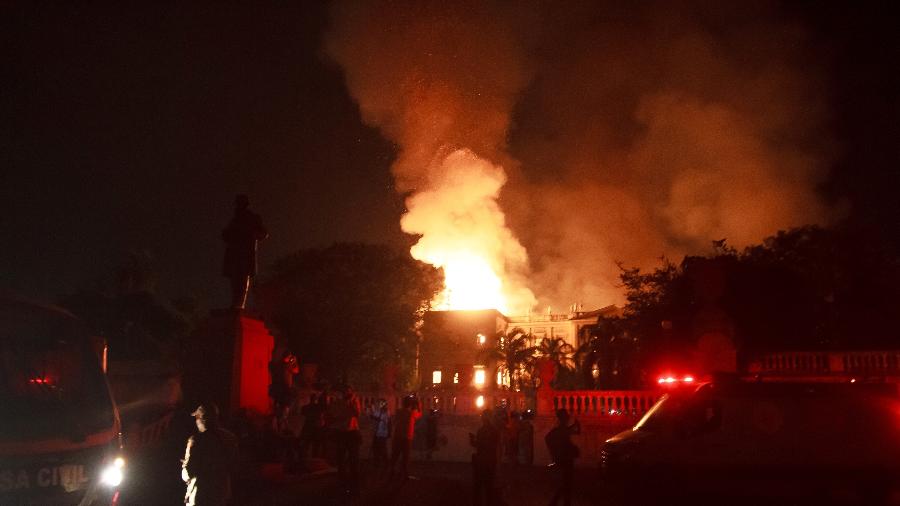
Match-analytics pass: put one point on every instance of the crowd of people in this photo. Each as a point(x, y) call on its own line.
point(334, 421)
point(327, 427)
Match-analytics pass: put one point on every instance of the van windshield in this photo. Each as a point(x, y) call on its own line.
point(51, 384)
point(667, 412)
point(656, 416)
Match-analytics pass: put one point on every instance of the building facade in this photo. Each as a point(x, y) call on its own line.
point(455, 345)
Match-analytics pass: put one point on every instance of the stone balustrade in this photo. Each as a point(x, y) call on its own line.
point(870, 363)
point(605, 403)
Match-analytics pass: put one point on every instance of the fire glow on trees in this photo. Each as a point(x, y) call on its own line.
point(464, 231)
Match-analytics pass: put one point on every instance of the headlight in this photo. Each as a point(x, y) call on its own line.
point(114, 473)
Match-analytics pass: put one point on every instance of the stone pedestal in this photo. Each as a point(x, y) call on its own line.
point(231, 363)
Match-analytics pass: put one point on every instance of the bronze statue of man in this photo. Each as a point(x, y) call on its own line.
point(241, 236)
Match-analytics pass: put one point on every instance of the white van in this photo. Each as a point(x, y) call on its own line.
point(832, 443)
point(60, 437)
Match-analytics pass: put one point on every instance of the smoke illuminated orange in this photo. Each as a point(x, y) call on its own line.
point(463, 230)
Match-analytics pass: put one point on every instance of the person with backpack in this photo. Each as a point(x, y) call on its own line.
point(564, 452)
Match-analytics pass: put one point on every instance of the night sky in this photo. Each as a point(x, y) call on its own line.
point(132, 129)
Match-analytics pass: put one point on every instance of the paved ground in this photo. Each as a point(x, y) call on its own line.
point(432, 483)
point(155, 480)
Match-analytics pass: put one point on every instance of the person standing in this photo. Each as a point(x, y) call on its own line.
point(283, 392)
point(209, 458)
point(404, 430)
point(382, 432)
point(343, 416)
point(564, 453)
point(431, 433)
point(526, 440)
point(485, 461)
point(313, 424)
point(511, 437)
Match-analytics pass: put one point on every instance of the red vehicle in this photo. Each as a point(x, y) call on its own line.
point(60, 438)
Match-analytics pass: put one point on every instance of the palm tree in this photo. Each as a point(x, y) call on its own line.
point(512, 353)
point(557, 352)
point(587, 356)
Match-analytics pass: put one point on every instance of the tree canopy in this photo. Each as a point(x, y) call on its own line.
point(805, 289)
point(137, 322)
point(352, 309)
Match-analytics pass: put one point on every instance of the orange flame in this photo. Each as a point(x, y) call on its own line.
point(464, 231)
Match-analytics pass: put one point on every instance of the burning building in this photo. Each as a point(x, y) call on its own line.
point(455, 344)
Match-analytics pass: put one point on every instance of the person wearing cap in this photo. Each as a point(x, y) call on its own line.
point(564, 453)
point(208, 460)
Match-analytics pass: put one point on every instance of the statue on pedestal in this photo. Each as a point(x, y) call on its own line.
point(241, 236)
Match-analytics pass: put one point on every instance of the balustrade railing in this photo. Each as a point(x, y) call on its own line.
point(842, 362)
point(622, 403)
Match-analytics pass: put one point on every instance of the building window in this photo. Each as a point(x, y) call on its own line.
point(456, 377)
point(479, 401)
point(481, 339)
point(436, 377)
point(480, 376)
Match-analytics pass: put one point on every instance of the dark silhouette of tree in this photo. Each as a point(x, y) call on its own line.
point(611, 352)
point(513, 355)
point(804, 289)
point(134, 319)
point(353, 309)
point(561, 355)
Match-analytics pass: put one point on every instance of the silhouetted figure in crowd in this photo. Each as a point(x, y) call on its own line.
point(343, 420)
point(404, 430)
point(511, 437)
point(282, 388)
point(312, 433)
point(485, 461)
point(241, 236)
point(431, 433)
point(208, 460)
point(380, 435)
point(564, 452)
point(526, 439)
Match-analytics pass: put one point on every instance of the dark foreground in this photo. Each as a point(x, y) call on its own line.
point(432, 483)
point(155, 480)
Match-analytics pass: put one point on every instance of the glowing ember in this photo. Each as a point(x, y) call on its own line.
point(464, 231)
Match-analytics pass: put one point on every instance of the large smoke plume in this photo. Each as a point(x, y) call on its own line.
point(626, 131)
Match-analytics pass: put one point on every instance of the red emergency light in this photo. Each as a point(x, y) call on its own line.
point(674, 380)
